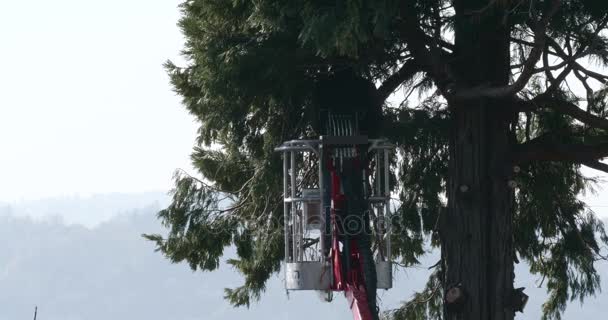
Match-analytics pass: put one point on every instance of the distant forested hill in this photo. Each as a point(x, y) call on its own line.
point(108, 271)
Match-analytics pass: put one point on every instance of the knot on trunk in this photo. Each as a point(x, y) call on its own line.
point(455, 298)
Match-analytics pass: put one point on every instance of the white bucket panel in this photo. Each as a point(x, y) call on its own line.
point(307, 276)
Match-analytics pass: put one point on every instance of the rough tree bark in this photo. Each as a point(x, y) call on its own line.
point(476, 232)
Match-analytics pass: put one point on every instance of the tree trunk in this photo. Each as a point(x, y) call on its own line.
point(477, 246)
point(476, 232)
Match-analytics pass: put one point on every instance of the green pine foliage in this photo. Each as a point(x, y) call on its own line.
point(249, 80)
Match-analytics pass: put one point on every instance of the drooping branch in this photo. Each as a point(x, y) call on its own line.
point(406, 72)
point(564, 107)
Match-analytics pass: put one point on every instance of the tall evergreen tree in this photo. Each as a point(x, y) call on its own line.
point(490, 154)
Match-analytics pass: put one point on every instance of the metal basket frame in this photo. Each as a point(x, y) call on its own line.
point(307, 268)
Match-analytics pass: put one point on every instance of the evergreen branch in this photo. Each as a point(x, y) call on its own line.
point(540, 149)
point(231, 194)
point(425, 304)
point(564, 107)
point(428, 298)
point(406, 72)
point(417, 41)
point(435, 264)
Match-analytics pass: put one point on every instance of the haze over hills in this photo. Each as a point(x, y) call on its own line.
point(93, 264)
point(88, 211)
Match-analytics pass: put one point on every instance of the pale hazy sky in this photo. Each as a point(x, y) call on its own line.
point(85, 105)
